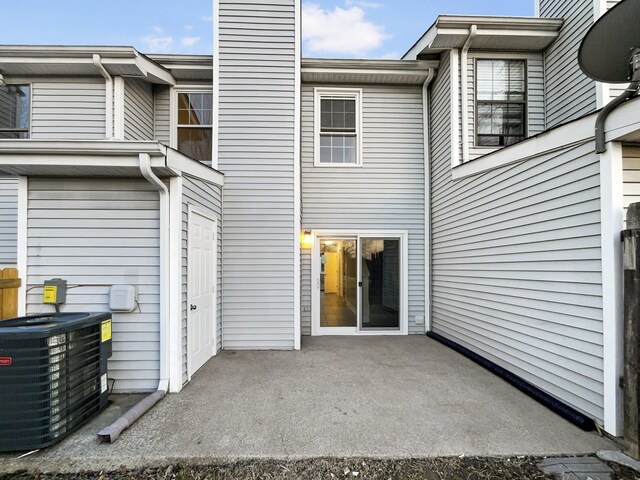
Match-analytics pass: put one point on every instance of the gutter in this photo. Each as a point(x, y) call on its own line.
point(113, 431)
point(464, 92)
point(108, 83)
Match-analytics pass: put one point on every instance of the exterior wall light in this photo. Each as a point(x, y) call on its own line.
point(306, 239)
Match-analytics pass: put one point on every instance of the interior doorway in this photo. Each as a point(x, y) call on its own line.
point(360, 284)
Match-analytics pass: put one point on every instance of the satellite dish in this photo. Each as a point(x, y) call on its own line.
point(610, 44)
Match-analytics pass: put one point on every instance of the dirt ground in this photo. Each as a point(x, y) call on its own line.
point(466, 468)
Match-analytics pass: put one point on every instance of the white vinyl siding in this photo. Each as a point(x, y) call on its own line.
point(516, 264)
point(8, 220)
point(101, 231)
point(630, 175)
point(208, 198)
point(162, 114)
point(68, 108)
point(138, 110)
point(534, 112)
point(386, 192)
point(256, 153)
point(569, 92)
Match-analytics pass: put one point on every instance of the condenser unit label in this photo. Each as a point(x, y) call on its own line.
point(106, 331)
point(103, 383)
point(50, 293)
point(6, 361)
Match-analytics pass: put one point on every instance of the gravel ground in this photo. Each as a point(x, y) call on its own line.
point(466, 468)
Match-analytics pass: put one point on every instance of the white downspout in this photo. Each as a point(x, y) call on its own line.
point(108, 85)
point(464, 93)
point(113, 431)
point(427, 200)
point(163, 191)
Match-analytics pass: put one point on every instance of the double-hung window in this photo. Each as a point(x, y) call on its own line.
point(501, 102)
point(15, 111)
point(195, 127)
point(337, 127)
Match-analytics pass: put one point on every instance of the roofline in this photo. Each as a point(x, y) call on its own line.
point(355, 65)
point(486, 22)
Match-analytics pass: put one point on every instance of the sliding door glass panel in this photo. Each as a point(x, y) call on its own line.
point(380, 259)
point(338, 283)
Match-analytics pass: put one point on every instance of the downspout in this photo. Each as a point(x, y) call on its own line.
point(113, 431)
point(427, 199)
point(108, 85)
point(464, 93)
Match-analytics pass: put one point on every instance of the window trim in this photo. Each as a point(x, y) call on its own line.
point(524, 102)
point(30, 85)
point(173, 109)
point(319, 93)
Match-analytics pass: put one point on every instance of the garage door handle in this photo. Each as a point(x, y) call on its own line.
point(192, 307)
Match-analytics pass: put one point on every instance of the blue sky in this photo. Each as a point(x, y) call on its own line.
point(331, 28)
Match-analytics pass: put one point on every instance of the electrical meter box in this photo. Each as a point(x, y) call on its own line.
point(123, 298)
point(55, 291)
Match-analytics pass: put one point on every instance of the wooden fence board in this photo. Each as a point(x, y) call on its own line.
point(9, 283)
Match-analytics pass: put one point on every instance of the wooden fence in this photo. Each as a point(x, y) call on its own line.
point(9, 283)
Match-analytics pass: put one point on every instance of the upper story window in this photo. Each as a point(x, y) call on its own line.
point(337, 127)
point(15, 111)
point(195, 128)
point(500, 102)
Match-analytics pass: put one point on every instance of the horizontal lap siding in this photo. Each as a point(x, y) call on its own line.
point(630, 175)
point(138, 110)
point(8, 220)
point(208, 198)
point(386, 192)
point(256, 154)
point(105, 231)
point(162, 113)
point(516, 273)
point(68, 108)
point(569, 92)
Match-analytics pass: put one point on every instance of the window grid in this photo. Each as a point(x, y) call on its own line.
point(501, 114)
point(15, 111)
point(195, 124)
point(338, 129)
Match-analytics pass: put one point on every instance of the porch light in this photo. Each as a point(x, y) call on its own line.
point(307, 240)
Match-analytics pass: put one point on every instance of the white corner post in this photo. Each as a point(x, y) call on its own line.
point(464, 93)
point(175, 284)
point(427, 200)
point(216, 83)
point(118, 108)
point(455, 107)
point(611, 212)
point(23, 193)
point(297, 194)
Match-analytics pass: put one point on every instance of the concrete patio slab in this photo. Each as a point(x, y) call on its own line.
point(337, 397)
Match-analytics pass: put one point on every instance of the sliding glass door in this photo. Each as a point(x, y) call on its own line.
point(359, 285)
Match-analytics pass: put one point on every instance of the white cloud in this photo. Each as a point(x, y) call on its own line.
point(189, 27)
point(207, 18)
point(391, 56)
point(158, 41)
point(362, 4)
point(189, 41)
point(341, 31)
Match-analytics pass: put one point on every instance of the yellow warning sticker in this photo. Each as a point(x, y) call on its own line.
point(106, 331)
point(50, 293)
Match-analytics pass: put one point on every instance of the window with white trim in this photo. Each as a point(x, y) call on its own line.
point(195, 127)
point(501, 102)
point(338, 127)
point(15, 111)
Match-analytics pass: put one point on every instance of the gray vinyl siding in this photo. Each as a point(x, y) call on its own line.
point(208, 198)
point(256, 153)
point(630, 175)
point(386, 192)
point(8, 220)
point(305, 291)
point(162, 114)
point(535, 98)
point(138, 110)
point(68, 108)
point(101, 231)
point(569, 92)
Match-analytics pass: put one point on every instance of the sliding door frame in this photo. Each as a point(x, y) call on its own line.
point(402, 235)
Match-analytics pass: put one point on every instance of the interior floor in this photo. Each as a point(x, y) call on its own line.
point(334, 312)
